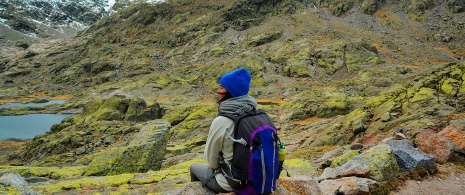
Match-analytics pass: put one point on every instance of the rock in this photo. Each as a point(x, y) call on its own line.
point(327, 158)
point(107, 140)
point(458, 123)
point(17, 182)
point(192, 188)
point(176, 150)
point(399, 136)
point(104, 161)
point(409, 157)
point(386, 117)
point(297, 185)
point(455, 135)
point(330, 155)
point(358, 126)
point(348, 186)
point(145, 151)
point(356, 146)
point(378, 163)
point(433, 144)
point(340, 160)
point(119, 107)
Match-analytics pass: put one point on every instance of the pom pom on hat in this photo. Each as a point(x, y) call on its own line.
point(237, 82)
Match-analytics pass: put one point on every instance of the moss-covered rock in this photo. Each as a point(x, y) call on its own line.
point(104, 161)
point(122, 108)
point(145, 151)
point(48, 172)
point(378, 163)
point(382, 161)
point(340, 160)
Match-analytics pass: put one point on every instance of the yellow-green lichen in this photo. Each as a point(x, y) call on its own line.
point(340, 160)
point(49, 172)
point(84, 183)
point(423, 94)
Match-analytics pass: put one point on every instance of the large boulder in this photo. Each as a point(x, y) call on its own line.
point(378, 163)
point(433, 144)
point(122, 108)
point(348, 186)
point(455, 135)
point(409, 157)
point(144, 152)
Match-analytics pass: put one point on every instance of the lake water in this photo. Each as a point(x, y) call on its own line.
point(9, 105)
point(28, 126)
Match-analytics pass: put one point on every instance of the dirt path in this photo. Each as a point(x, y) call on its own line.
point(450, 180)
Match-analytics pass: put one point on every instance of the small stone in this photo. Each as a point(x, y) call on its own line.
point(399, 136)
point(418, 182)
point(356, 146)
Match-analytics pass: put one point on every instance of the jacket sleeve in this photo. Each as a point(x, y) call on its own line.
point(216, 137)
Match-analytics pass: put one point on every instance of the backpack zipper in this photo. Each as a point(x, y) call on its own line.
point(263, 169)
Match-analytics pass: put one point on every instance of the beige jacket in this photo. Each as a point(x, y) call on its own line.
point(218, 141)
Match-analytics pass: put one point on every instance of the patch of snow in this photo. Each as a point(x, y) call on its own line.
point(155, 1)
point(109, 5)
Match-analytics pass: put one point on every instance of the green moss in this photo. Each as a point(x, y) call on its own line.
point(216, 50)
point(84, 183)
point(9, 190)
point(264, 38)
point(104, 161)
point(49, 172)
point(423, 94)
point(292, 105)
point(296, 167)
point(382, 162)
point(185, 165)
point(449, 86)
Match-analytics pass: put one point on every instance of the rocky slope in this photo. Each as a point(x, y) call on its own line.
point(331, 74)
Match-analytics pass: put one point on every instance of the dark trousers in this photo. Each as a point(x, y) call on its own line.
point(204, 174)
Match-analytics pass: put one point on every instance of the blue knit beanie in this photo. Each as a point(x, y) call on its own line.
point(237, 82)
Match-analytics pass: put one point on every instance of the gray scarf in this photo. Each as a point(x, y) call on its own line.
point(237, 105)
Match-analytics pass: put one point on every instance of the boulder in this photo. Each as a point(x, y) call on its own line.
point(409, 157)
point(297, 185)
point(433, 144)
point(455, 135)
point(15, 184)
point(144, 152)
point(122, 108)
point(348, 186)
point(378, 163)
point(340, 160)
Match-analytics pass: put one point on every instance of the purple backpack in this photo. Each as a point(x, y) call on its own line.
point(254, 166)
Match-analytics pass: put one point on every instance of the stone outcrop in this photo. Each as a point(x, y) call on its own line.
point(144, 152)
point(122, 108)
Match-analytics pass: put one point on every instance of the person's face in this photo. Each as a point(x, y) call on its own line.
point(221, 92)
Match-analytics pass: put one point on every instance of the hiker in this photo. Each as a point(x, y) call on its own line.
point(233, 100)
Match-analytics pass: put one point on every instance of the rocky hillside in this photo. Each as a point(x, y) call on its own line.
point(340, 79)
